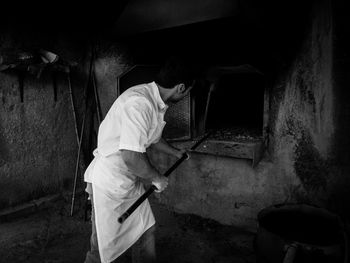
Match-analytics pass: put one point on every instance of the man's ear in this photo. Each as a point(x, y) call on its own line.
point(180, 88)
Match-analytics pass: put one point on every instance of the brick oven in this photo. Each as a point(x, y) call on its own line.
point(230, 102)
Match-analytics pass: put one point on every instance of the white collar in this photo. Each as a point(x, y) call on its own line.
point(155, 91)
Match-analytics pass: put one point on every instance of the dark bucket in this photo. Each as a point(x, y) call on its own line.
point(299, 233)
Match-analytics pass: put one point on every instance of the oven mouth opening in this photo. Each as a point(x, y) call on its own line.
point(232, 109)
point(236, 106)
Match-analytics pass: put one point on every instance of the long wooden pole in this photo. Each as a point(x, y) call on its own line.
point(77, 165)
point(73, 108)
point(143, 197)
point(97, 99)
point(80, 139)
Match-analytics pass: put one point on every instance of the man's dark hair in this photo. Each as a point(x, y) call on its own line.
point(175, 71)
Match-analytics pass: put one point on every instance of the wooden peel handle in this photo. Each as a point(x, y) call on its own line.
point(143, 197)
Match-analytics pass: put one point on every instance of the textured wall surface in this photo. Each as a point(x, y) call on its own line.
point(224, 189)
point(38, 142)
point(303, 112)
point(37, 136)
point(111, 61)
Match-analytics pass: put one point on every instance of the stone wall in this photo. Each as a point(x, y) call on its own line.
point(37, 136)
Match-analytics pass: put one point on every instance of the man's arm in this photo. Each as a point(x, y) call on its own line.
point(140, 165)
point(163, 146)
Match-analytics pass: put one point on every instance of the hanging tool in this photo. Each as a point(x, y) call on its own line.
point(80, 139)
point(88, 205)
point(97, 100)
point(73, 107)
point(77, 163)
point(143, 197)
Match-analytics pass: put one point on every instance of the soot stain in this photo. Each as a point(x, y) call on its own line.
point(310, 167)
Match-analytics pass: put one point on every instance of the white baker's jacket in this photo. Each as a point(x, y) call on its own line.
point(134, 122)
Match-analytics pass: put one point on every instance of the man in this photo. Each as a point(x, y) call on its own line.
point(134, 123)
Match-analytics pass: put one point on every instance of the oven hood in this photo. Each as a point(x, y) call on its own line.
point(147, 15)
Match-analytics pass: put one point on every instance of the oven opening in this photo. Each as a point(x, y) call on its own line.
point(235, 113)
point(235, 107)
point(232, 108)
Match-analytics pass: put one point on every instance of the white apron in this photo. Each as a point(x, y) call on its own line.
point(115, 189)
point(112, 197)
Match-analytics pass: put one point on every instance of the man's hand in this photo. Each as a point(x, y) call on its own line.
point(178, 153)
point(163, 146)
point(161, 182)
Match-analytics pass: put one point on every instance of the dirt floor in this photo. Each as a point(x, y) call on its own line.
point(52, 236)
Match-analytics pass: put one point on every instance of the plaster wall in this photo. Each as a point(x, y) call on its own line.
point(37, 136)
point(302, 112)
point(38, 143)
